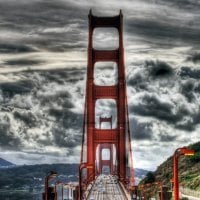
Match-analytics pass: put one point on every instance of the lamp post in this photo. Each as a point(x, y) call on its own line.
point(141, 189)
point(81, 167)
point(161, 189)
point(62, 192)
point(58, 183)
point(66, 185)
point(180, 151)
point(50, 175)
point(145, 186)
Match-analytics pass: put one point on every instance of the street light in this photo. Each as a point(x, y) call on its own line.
point(59, 183)
point(81, 167)
point(55, 188)
point(50, 175)
point(145, 186)
point(180, 151)
point(66, 186)
point(160, 184)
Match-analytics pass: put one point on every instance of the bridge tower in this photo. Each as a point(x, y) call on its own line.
point(97, 137)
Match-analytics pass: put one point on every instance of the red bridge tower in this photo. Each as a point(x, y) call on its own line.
point(105, 138)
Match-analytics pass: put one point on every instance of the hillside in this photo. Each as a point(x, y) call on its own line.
point(27, 181)
point(34, 174)
point(5, 163)
point(189, 170)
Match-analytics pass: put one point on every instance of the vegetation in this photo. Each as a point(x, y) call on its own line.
point(150, 178)
point(27, 182)
point(22, 176)
point(189, 170)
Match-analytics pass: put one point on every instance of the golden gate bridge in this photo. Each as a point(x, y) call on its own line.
point(118, 183)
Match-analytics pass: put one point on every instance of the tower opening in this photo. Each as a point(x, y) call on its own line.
point(105, 38)
point(106, 108)
point(105, 73)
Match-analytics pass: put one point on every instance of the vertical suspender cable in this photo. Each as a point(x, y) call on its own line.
point(83, 130)
point(132, 173)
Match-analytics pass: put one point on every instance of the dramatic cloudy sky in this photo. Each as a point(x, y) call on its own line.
point(43, 59)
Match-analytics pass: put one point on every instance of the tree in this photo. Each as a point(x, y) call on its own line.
point(150, 178)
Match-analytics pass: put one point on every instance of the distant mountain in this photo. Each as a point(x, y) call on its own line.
point(30, 179)
point(34, 174)
point(139, 174)
point(5, 163)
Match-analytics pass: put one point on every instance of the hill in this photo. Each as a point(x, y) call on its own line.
point(21, 176)
point(27, 181)
point(189, 170)
point(5, 163)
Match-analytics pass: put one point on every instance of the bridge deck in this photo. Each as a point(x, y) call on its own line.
point(106, 187)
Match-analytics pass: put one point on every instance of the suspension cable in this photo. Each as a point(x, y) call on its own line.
point(132, 173)
point(83, 130)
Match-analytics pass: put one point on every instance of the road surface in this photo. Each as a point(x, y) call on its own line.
point(106, 187)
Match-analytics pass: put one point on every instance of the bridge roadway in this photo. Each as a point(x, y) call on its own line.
point(106, 187)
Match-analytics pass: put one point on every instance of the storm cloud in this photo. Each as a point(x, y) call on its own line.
point(43, 60)
point(188, 72)
point(195, 58)
point(141, 130)
point(15, 48)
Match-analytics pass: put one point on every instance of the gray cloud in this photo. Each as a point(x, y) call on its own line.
point(153, 81)
point(158, 68)
point(8, 139)
point(19, 87)
point(189, 88)
point(66, 138)
point(23, 62)
point(54, 26)
point(150, 72)
point(47, 25)
point(195, 58)
point(141, 130)
point(180, 117)
point(137, 80)
point(187, 72)
point(158, 32)
point(62, 76)
point(15, 48)
point(167, 138)
point(41, 105)
point(151, 105)
point(61, 97)
point(182, 4)
point(27, 117)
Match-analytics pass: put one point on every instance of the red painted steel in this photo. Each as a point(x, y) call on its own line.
point(178, 152)
point(94, 136)
point(105, 119)
point(105, 136)
point(110, 137)
point(105, 92)
point(105, 55)
point(175, 175)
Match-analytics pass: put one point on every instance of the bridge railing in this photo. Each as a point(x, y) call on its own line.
point(189, 192)
point(88, 186)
